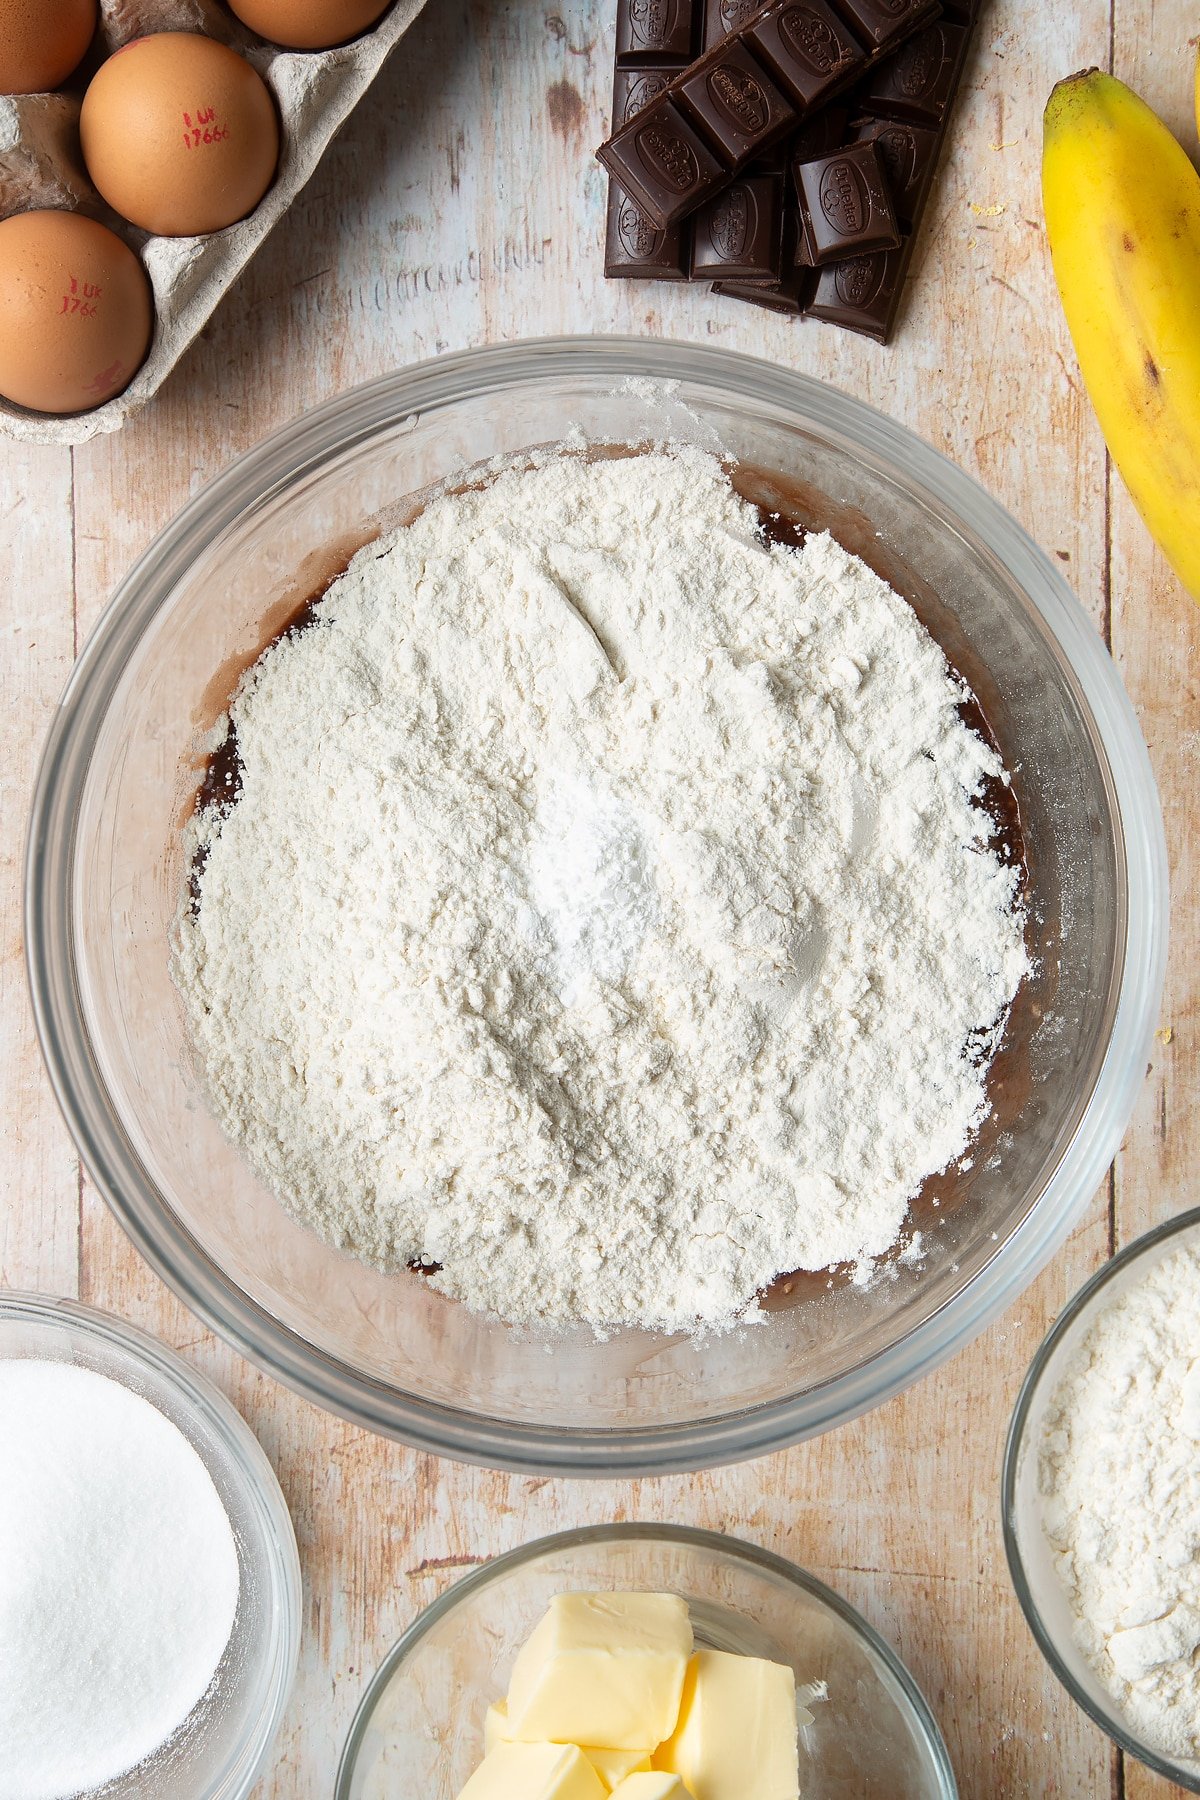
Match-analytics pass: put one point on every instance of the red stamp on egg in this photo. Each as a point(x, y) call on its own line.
point(201, 128)
point(80, 298)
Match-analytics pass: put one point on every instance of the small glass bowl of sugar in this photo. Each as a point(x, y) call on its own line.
point(150, 1583)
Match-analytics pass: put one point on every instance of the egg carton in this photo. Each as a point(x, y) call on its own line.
point(41, 166)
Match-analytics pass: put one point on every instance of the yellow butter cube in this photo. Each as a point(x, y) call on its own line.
point(534, 1772)
point(612, 1766)
point(737, 1732)
point(604, 1669)
point(658, 1786)
point(495, 1727)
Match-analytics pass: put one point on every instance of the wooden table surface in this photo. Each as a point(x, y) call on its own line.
point(461, 206)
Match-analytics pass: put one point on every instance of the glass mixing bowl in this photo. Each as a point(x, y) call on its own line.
point(419, 1727)
point(1030, 1557)
point(222, 1747)
point(104, 875)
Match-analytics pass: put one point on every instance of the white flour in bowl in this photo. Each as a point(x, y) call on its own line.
point(1119, 1475)
point(605, 916)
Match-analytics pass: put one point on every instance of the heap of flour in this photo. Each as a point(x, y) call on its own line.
point(605, 916)
point(1119, 1475)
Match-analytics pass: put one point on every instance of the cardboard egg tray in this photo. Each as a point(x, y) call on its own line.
point(41, 166)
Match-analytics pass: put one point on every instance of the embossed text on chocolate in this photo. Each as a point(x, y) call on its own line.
point(667, 157)
point(740, 97)
point(843, 197)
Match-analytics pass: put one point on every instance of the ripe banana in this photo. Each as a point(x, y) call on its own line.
point(1122, 205)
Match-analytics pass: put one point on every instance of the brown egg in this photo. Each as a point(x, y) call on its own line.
point(179, 134)
point(42, 41)
point(308, 24)
point(75, 312)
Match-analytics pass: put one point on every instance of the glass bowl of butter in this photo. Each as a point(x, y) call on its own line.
point(478, 1667)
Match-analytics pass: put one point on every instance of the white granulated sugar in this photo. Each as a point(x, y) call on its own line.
point(605, 913)
point(1119, 1476)
point(118, 1580)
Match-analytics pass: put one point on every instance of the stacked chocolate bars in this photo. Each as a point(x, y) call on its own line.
point(789, 163)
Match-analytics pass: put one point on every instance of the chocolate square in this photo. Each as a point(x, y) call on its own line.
point(734, 101)
point(635, 249)
point(772, 160)
point(785, 297)
point(635, 88)
point(908, 154)
point(824, 132)
point(919, 82)
point(863, 293)
point(738, 236)
point(723, 16)
point(845, 207)
point(812, 54)
point(793, 235)
point(881, 23)
point(650, 30)
point(662, 163)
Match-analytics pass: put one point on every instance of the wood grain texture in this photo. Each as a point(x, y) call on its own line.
point(461, 206)
point(38, 1171)
point(1156, 642)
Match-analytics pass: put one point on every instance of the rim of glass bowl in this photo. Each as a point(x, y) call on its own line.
point(221, 1419)
point(333, 431)
point(1089, 1296)
point(737, 1548)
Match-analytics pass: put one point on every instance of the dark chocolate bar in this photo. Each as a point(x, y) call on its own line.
point(634, 247)
point(736, 103)
point(894, 120)
point(723, 16)
point(824, 132)
point(919, 83)
point(738, 236)
point(845, 208)
point(905, 111)
point(655, 30)
point(882, 24)
point(879, 23)
point(779, 63)
point(813, 53)
point(916, 90)
point(862, 294)
point(778, 297)
point(635, 88)
point(771, 161)
point(908, 154)
point(962, 12)
point(663, 163)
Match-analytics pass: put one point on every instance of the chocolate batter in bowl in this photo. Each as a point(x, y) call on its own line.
point(122, 770)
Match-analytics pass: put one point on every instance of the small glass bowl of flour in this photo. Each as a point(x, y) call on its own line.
point(1102, 1499)
point(133, 1486)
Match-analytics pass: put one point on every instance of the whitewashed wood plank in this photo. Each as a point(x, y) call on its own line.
point(38, 1168)
point(1156, 641)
